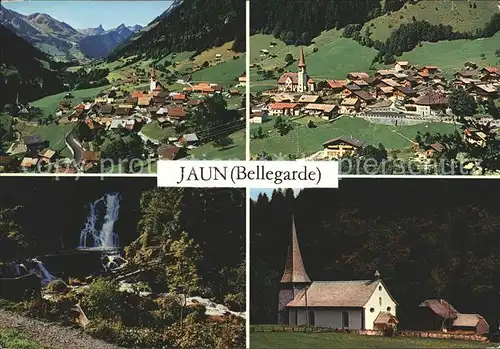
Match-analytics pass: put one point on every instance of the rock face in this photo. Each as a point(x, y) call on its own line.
point(61, 40)
point(95, 46)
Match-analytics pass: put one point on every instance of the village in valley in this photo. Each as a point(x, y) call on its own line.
point(124, 113)
point(302, 110)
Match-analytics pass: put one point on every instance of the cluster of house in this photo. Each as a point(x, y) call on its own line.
point(420, 91)
point(402, 92)
point(113, 110)
point(356, 304)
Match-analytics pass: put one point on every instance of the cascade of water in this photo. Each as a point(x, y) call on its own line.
point(105, 237)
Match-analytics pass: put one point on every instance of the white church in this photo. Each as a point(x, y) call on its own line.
point(354, 304)
point(297, 82)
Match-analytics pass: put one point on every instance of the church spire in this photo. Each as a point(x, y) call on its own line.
point(294, 268)
point(302, 62)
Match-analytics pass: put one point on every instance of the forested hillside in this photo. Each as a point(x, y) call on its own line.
point(428, 239)
point(25, 69)
point(193, 25)
point(297, 22)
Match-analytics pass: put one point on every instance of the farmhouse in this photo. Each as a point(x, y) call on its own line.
point(342, 146)
point(283, 109)
point(450, 319)
point(358, 304)
point(325, 111)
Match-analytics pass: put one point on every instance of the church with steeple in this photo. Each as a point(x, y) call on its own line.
point(353, 304)
point(297, 82)
point(154, 84)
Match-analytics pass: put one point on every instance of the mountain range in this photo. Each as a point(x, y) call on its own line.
point(62, 41)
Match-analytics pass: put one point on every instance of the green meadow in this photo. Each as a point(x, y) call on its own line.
point(270, 340)
point(306, 141)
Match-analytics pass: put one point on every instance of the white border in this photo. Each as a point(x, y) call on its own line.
point(247, 156)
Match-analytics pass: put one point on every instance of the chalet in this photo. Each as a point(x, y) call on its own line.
point(178, 98)
point(410, 81)
point(350, 105)
point(258, 117)
point(389, 82)
point(106, 109)
point(364, 97)
point(34, 143)
point(350, 305)
point(120, 111)
point(158, 100)
point(475, 137)
point(384, 91)
point(429, 69)
point(48, 154)
point(170, 152)
point(485, 90)
point(336, 86)
point(28, 163)
point(325, 111)
point(90, 159)
point(283, 98)
point(385, 74)
point(452, 320)
point(176, 113)
point(339, 147)
point(358, 75)
point(304, 99)
point(360, 83)
point(434, 101)
point(291, 109)
point(350, 88)
point(401, 65)
point(188, 139)
point(402, 92)
point(432, 149)
point(468, 74)
point(129, 124)
point(162, 111)
point(490, 74)
point(138, 94)
point(242, 81)
point(465, 83)
point(144, 101)
point(194, 102)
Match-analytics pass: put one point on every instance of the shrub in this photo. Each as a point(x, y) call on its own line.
point(58, 286)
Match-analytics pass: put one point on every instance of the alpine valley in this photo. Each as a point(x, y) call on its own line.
point(171, 89)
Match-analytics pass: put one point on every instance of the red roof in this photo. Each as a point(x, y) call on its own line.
point(179, 97)
point(176, 112)
point(492, 70)
point(310, 81)
point(336, 83)
point(279, 106)
point(80, 107)
point(285, 76)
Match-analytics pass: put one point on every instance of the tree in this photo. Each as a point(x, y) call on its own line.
point(462, 103)
point(491, 107)
point(283, 126)
point(223, 142)
point(288, 59)
point(12, 241)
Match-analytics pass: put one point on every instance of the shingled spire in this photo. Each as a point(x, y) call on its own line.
point(294, 268)
point(302, 62)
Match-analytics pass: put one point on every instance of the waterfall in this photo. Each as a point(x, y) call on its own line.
point(91, 235)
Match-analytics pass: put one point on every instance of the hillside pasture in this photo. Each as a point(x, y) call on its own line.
point(459, 14)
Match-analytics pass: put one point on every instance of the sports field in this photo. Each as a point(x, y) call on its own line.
point(306, 141)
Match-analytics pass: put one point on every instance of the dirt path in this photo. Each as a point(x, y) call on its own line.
point(52, 335)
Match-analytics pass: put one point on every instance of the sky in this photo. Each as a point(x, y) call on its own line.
point(89, 14)
point(254, 193)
